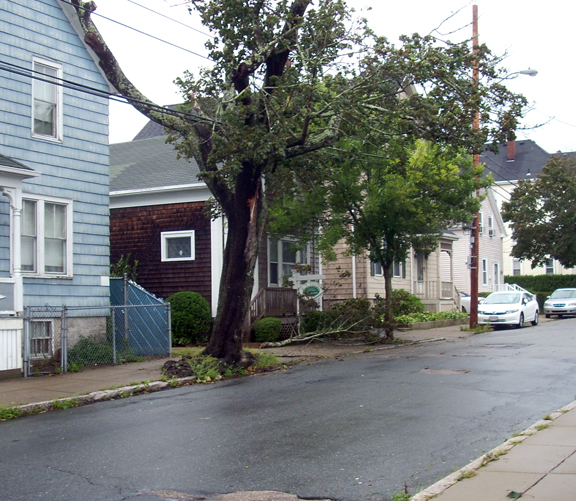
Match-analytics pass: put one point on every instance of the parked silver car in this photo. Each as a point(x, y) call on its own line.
point(508, 308)
point(561, 302)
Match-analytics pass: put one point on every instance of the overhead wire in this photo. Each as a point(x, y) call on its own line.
point(144, 33)
point(69, 84)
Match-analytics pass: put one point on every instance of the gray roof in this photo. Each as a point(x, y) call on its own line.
point(10, 162)
point(149, 163)
point(527, 163)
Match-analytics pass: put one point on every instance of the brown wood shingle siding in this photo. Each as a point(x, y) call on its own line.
point(136, 231)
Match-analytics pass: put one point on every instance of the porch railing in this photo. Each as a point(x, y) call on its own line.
point(428, 289)
point(273, 302)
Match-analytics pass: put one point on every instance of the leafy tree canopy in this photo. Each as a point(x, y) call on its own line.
point(542, 214)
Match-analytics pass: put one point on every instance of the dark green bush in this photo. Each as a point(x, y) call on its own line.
point(405, 303)
point(313, 321)
point(88, 351)
point(191, 318)
point(535, 283)
point(267, 329)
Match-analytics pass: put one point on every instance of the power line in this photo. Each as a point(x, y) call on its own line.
point(172, 19)
point(69, 84)
point(143, 33)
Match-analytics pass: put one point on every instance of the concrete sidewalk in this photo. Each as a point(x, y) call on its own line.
point(537, 465)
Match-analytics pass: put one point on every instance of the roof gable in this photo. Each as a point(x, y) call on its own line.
point(527, 162)
point(147, 164)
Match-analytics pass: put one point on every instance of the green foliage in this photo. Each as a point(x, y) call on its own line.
point(123, 266)
point(191, 318)
point(267, 329)
point(90, 351)
point(542, 214)
point(266, 360)
point(405, 303)
point(206, 369)
point(542, 282)
point(428, 316)
point(7, 413)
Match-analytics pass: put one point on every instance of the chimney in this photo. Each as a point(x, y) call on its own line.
point(511, 150)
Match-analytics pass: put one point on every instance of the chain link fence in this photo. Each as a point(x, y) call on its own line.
point(61, 339)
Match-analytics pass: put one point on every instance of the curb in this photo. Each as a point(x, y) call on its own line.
point(102, 395)
point(446, 482)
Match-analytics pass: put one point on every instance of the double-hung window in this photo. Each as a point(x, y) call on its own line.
point(46, 237)
point(282, 258)
point(47, 100)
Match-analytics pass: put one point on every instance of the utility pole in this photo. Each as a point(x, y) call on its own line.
point(474, 240)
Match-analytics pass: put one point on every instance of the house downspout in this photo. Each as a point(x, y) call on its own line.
point(15, 197)
point(354, 293)
point(411, 270)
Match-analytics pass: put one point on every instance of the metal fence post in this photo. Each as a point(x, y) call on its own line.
point(114, 334)
point(126, 313)
point(169, 328)
point(64, 342)
point(26, 344)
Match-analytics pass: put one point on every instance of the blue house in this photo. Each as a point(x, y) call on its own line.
point(54, 166)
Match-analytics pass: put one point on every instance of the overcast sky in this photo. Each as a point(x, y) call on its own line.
point(536, 35)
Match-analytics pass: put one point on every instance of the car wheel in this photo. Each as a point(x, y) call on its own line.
point(560, 316)
point(547, 316)
point(521, 321)
point(535, 321)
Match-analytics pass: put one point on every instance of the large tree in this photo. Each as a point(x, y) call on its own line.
point(288, 80)
point(542, 214)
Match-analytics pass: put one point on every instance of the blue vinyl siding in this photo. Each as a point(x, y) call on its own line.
point(75, 169)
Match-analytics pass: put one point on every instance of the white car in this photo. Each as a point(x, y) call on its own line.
point(561, 302)
point(465, 301)
point(508, 308)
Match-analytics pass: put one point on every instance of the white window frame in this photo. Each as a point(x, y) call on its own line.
point(549, 265)
point(302, 257)
point(484, 271)
point(41, 340)
point(39, 250)
point(167, 235)
point(399, 269)
point(480, 223)
point(59, 114)
point(516, 266)
point(490, 225)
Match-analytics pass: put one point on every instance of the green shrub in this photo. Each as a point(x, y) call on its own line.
point(90, 351)
point(542, 282)
point(267, 329)
point(314, 321)
point(405, 303)
point(191, 318)
point(428, 316)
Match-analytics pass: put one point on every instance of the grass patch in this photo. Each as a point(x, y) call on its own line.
point(479, 329)
point(547, 417)
point(65, 404)
point(266, 360)
point(541, 427)
point(467, 474)
point(7, 413)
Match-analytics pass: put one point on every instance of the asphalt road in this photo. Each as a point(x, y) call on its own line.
point(357, 429)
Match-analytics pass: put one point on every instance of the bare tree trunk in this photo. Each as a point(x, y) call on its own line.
point(246, 217)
